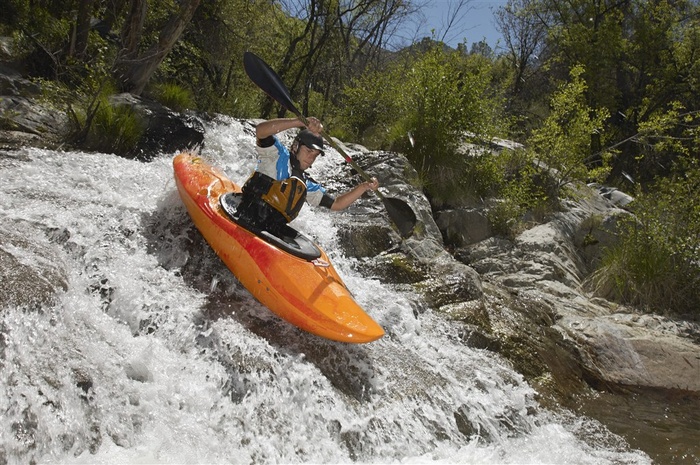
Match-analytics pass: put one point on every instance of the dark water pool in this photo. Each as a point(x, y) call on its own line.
point(664, 424)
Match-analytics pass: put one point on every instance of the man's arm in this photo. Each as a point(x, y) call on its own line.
point(273, 126)
point(344, 201)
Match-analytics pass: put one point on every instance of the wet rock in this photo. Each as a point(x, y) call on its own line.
point(397, 268)
point(165, 130)
point(473, 336)
point(399, 180)
point(25, 122)
point(366, 240)
point(558, 336)
point(12, 83)
point(636, 350)
point(420, 259)
point(138, 371)
point(450, 282)
point(464, 426)
point(462, 227)
point(31, 269)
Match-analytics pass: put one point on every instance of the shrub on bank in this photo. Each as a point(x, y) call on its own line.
point(114, 129)
point(656, 265)
point(173, 96)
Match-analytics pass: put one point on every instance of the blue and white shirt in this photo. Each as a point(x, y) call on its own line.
point(275, 161)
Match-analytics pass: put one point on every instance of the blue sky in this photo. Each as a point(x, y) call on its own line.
point(476, 21)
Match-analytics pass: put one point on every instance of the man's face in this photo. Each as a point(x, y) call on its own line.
point(306, 156)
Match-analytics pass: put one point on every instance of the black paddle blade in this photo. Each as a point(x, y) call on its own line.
point(401, 214)
point(267, 79)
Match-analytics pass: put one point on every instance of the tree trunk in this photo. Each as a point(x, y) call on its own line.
point(82, 27)
point(134, 69)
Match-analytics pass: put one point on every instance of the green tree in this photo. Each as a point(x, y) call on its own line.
point(331, 42)
point(524, 33)
point(639, 56)
point(665, 79)
point(63, 46)
point(207, 59)
point(589, 33)
point(563, 142)
point(426, 106)
point(369, 108)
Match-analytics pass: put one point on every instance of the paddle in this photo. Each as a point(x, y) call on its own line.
point(267, 79)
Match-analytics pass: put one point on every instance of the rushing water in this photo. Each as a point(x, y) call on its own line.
point(156, 354)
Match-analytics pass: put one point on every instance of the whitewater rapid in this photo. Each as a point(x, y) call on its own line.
point(154, 353)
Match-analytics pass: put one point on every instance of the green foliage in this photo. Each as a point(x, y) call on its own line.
point(596, 44)
point(426, 107)
point(668, 134)
point(519, 190)
point(207, 59)
point(112, 129)
point(37, 25)
point(563, 142)
point(173, 96)
point(370, 106)
point(657, 264)
point(638, 59)
point(441, 97)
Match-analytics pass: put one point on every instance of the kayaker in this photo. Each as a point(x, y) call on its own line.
point(276, 191)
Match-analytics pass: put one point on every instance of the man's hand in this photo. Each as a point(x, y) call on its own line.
point(314, 125)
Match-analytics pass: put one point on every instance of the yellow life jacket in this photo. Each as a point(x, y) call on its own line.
point(286, 196)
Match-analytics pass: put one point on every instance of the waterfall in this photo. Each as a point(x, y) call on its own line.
point(153, 352)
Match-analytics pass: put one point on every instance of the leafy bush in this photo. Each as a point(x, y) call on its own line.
point(427, 105)
point(428, 108)
point(35, 27)
point(370, 107)
point(525, 184)
point(656, 265)
point(520, 190)
point(563, 142)
point(444, 100)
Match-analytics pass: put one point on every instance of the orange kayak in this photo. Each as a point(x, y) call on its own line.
point(289, 275)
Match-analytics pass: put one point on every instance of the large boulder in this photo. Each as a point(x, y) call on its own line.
point(463, 227)
point(14, 84)
point(165, 130)
point(630, 349)
point(25, 122)
point(420, 259)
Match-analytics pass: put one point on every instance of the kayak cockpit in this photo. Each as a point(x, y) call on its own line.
point(291, 240)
